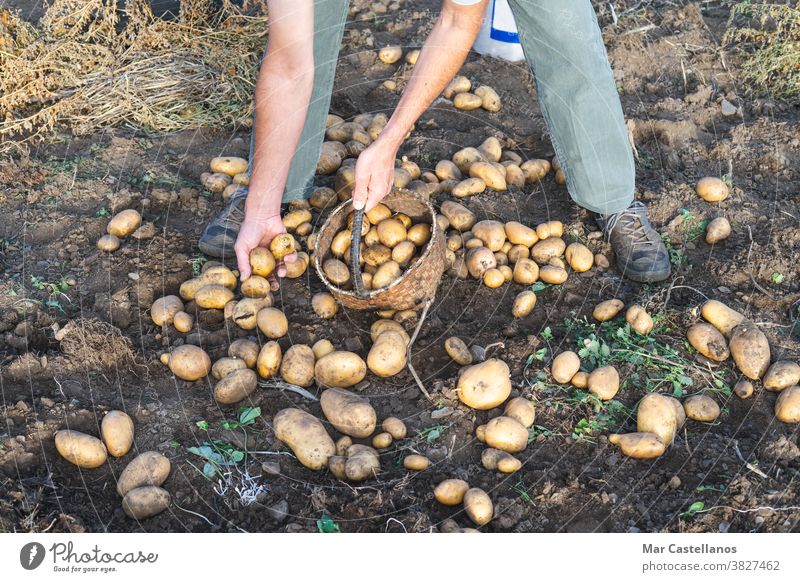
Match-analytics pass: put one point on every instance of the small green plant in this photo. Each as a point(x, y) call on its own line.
point(432, 433)
point(537, 431)
point(221, 455)
point(326, 525)
point(197, 264)
point(777, 278)
point(676, 256)
point(539, 286)
point(522, 491)
point(694, 509)
point(102, 212)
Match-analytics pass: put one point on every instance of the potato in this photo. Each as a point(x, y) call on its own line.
point(718, 230)
point(386, 274)
point(553, 275)
point(560, 178)
point(144, 502)
point(337, 465)
point(163, 310)
point(781, 375)
point(183, 322)
point(639, 445)
point(558, 263)
point(108, 243)
point(639, 320)
point(225, 366)
point(478, 506)
point(712, 189)
point(750, 350)
point(451, 492)
point(362, 463)
point(282, 245)
point(245, 312)
point(580, 380)
point(524, 304)
point(492, 177)
point(656, 415)
point(535, 170)
point(189, 362)
point(701, 407)
point(336, 271)
point(306, 436)
point(579, 257)
point(213, 296)
point(490, 100)
point(447, 170)
point(707, 340)
point(269, 360)
point(517, 253)
point(297, 366)
point(340, 370)
point(402, 253)
point(348, 413)
point(387, 357)
point(382, 440)
point(390, 54)
point(680, 413)
point(491, 233)
point(324, 305)
point(236, 386)
point(544, 250)
point(416, 462)
point(601, 262)
point(521, 410)
point(485, 385)
point(459, 84)
point(467, 101)
point(255, 286)
point(458, 351)
point(480, 433)
point(479, 260)
point(323, 197)
point(465, 157)
point(294, 218)
point(473, 243)
point(507, 434)
point(721, 316)
point(459, 216)
point(272, 322)
point(216, 182)
point(242, 179)
point(787, 406)
point(229, 165)
point(491, 149)
point(743, 389)
point(608, 309)
point(262, 262)
point(116, 430)
point(395, 427)
point(124, 223)
point(391, 232)
point(493, 278)
point(495, 459)
point(604, 382)
point(83, 450)
point(343, 443)
point(565, 365)
point(514, 176)
point(519, 234)
point(382, 325)
point(379, 121)
point(149, 468)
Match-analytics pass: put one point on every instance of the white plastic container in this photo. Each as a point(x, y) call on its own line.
point(498, 36)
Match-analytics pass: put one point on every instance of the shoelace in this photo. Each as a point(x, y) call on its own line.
point(632, 220)
point(235, 210)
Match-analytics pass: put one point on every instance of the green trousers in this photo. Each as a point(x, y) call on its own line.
point(578, 98)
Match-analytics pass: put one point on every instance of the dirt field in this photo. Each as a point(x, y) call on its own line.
point(672, 78)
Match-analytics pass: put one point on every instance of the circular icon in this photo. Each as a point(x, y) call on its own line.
point(31, 555)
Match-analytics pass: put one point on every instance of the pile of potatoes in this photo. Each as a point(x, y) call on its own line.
point(227, 173)
point(477, 504)
point(122, 224)
point(461, 93)
point(140, 482)
point(391, 244)
point(603, 382)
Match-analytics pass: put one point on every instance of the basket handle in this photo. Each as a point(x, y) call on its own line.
point(355, 254)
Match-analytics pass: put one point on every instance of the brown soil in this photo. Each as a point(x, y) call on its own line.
point(672, 80)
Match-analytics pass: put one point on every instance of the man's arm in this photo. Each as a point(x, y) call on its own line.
point(282, 95)
point(441, 56)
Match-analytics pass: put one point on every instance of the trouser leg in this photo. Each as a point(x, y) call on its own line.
point(578, 97)
point(329, 20)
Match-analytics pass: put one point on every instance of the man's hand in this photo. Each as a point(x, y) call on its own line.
point(259, 233)
point(374, 175)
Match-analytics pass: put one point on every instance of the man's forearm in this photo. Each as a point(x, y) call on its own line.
point(440, 58)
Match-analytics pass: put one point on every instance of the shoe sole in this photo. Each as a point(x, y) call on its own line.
point(647, 276)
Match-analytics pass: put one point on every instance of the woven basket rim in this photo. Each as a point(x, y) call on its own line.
point(373, 293)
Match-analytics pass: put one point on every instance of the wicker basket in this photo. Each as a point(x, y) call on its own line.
point(417, 285)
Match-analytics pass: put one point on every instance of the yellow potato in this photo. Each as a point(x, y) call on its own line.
point(387, 357)
point(377, 124)
point(707, 340)
point(451, 492)
point(144, 502)
point(467, 101)
point(459, 216)
point(579, 257)
point(547, 249)
point(262, 262)
point(163, 310)
point(395, 427)
point(514, 176)
point(580, 380)
point(638, 445)
point(216, 182)
point(718, 230)
point(458, 351)
point(306, 436)
point(272, 322)
point(491, 233)
point(294, 218)
point(213, 296)
point(382, 325)
point(189, 362)
point(340, 369)
point(269, 360)
point(391, 232)
point(183, 322)
point(517, 253)
point(108, 243)
point(459, 84)
point(255, 286)
point(348, 413)
point(419, 234)
point(535, 170)
point(750, 350)
point(565, 365)
point(478, 506)
point(787, 406)
point(148, 468)
point(524, 304)
point(116, 430)
point(412, 56)
point(493, 278)
point(297, 366)
point(386, 274)
point(390, 54)
point(242, 179)
point(490, 100)
point(491, 459)
point(656, 414)
point(639, 320)
point(601, 262)
point(519, 234)
point(403, 252)
point(701, 407)
point(491, 149)
point(362, 463)
point(743, 389)
point(604, 382)
point(330, 158)
point(323, 197)
point(83, 450)
point(522, 410)
point(336, 271)
point(382, 440)
point(124, 223)
point(416, 462)
point(553, 275)
point(781, 375)
point(712, 189)
point(236, 386)
point(296, 268)
point(492, 177)
point(608, 309)
point(229, 165)
point(324, 305)
point(485, 385)
point(507, 434)
point(480, 433)
point(245, 312)
point(282, 245)
point(479, 260)
point(447, 170)
point(321, 348)
point(225, 366)
point(721, 316)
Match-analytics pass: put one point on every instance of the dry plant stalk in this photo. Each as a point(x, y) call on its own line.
point(93, 344)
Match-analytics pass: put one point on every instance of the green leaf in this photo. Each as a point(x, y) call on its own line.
point(326, 525)
point(433, 434)
point(202, 424)
point(248, 415)
point(540, 354)
point(539, 286)
point(209, 470)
